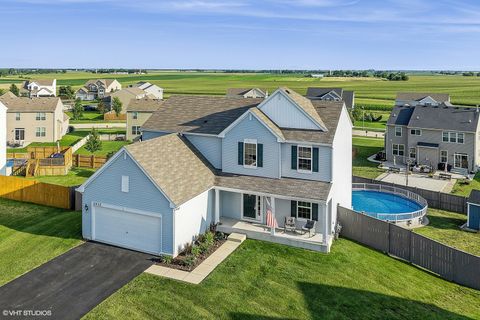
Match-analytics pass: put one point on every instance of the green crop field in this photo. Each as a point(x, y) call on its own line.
point(368, 91)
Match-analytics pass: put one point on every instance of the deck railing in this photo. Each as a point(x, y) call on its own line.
point(394, 217)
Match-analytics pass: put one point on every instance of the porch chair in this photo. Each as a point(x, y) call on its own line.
point(309, 226)
point(289, 224)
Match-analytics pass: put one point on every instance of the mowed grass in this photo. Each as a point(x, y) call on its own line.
point(107, 147)
point(87, 116)
point(67, 140)
point(31, 235)
point(75, 177)
point(464, 189)
point(263, 280)
point(364, 148)
point(381, 125)
point(444, 227)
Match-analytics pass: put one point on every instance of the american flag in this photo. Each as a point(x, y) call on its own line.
point(271, 221)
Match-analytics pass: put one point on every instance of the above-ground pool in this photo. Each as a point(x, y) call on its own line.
point(388, 203)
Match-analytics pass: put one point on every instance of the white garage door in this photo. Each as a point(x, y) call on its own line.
point(142, 232)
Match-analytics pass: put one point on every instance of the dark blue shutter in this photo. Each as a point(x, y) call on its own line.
point(260, 155)
point(315, 160)
point(315, 211)
point(294, 157)
point(293, 207)
point(240, 153)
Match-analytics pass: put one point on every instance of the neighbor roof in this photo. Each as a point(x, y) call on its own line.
point(400, 116)
point(105, 82)
point(417, 96)
point(234, 92)
point(318, 93)
point(144, 105)
point(21, 104)
point(41, 82)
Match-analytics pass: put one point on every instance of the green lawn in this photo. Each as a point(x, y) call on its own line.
point(364, 148)
point(269, 281)
point(31, 235)
point(75, 177)
point(464, 189)
point(67, 140)
point(87, 116)
point(444, 227)
point(379, 125)
point(107, 147)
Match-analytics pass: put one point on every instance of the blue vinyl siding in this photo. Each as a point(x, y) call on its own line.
point(210, 147)
point(474, 217)
point(324, 164)
point(147, 135)
point(251, 128)
point(142, 195)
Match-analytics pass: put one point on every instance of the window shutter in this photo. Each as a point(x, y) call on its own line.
point(260, 155)
point(293, 212)
point(240, 153)
point(315, 160)
point(294, 157)
point(315, 211)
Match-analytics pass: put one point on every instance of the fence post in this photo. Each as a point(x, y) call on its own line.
point(93, 161)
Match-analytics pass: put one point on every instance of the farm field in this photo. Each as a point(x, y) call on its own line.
point(368, 91)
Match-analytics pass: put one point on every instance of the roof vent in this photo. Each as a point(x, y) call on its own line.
point(469, 120)
point(418, 117)
point(287, 91)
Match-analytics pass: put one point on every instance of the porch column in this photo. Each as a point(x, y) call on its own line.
point(217, 206)
point(328, 213)
point(273, 215)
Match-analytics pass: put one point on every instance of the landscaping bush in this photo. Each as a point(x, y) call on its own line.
point(196, 251)
point(189, 260)
point(166, 259)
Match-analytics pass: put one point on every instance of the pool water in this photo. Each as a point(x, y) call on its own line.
point(374, 202)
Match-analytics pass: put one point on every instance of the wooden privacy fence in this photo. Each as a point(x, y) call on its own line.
point(92, 161)
point(36, 192)
point(449, 263)
point(435, 199)
point(112, 116)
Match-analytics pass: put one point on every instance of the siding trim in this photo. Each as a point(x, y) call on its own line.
point(243, 116)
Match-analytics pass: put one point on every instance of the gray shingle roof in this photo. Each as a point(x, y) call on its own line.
point(416, 96)
point(22, 104)
point(144, 105)
point(317, 93)
point(235, 92)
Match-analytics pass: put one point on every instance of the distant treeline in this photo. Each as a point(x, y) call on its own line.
point(13, 71)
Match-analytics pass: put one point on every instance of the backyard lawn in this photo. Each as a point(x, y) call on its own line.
point(444, 227)
point(269, 281)
point(107, 147)
point(464, 189)
point(371, 125)
point(67, 140)
point(31, 235)
point(90, 116)
point(75, 177)
point(364, 148)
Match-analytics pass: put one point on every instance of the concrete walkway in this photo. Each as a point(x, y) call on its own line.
point(206, 267)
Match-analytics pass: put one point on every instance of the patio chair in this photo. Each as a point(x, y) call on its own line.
point(289, 224)
point(309, 226)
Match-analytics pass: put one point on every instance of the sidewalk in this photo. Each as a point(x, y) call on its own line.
point(370, 134)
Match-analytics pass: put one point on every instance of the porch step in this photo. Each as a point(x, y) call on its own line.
point(461, 171)
point(237, 237)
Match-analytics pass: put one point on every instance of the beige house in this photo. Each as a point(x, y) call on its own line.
point(138, 113)
point(125, 95)
point(34, 119)
point(97, 89)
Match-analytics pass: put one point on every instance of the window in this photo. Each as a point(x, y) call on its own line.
point(445, 136)
point(443, 156)
point(125, 183)
point(415, 132)
point(40, 132)
point(135, 115)
point(135, 130)
point(304, 158)
point(412, 153)
point(304, 210)
point(40, 116)
point(17, 116)
point(460, 138)
point(398, 131)
point(398, 149)
point(250, 153)
point(453, 137)
point(19, 134)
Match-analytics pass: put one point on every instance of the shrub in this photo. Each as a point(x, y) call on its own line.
point(209, 238)
point(196, 251)
point(166, 259)
point(189, 260)
point(219, 235)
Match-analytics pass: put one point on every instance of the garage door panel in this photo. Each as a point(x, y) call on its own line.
point(128, 229)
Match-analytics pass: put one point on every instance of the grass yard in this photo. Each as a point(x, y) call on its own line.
point(444, 227)
point(75, 177)
point(107, 147)
point(365, 147)
point(464, 189)
point(67, 140)
point(87, 116)
point(379, 125)
point(270, 281)
point(31, 235)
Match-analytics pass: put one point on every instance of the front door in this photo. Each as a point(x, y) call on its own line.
point(252, 207)
point(461, 161)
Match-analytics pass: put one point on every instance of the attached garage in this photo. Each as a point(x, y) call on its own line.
point(128, 228)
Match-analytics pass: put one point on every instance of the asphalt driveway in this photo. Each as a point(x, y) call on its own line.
point(72, 284)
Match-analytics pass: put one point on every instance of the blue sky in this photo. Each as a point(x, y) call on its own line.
point(241, 34)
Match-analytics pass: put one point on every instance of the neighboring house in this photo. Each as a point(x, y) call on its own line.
point(226, 161)
point(153, 91)
point(246, 93)
point(3, 138)
point(97, 89)
point(421, 99)
point(138, 112)
point(473, 211)
point(436, 136)
point(34, 119)
point(332, 94)
point(39, 88)
point(125, 95)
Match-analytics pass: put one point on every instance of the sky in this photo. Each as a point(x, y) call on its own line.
point(241, 34)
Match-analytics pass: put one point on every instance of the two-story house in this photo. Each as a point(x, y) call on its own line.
point(153, 91)
point(34, 119)
point(332, 94)
point(413, 99)
point(97, 89)
point(39, 88)
point(438, 136)
point(246, 93)
point(3, 138)
point(241, 164)
point(138, 112)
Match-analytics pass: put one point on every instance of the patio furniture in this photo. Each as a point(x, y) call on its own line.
point(309, 226)
point(394, 170)
point(289, 224)
point(445, 176)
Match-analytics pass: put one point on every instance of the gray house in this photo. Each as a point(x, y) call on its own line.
point(434, 135)
point(421, 99)
point(332, 94)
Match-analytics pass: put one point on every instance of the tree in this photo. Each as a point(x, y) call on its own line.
point(101, 107)
point(93, 143)
point(357, 114)
point(67, 92)
point(14, 89)
point(117, 106)
point(77, 111)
